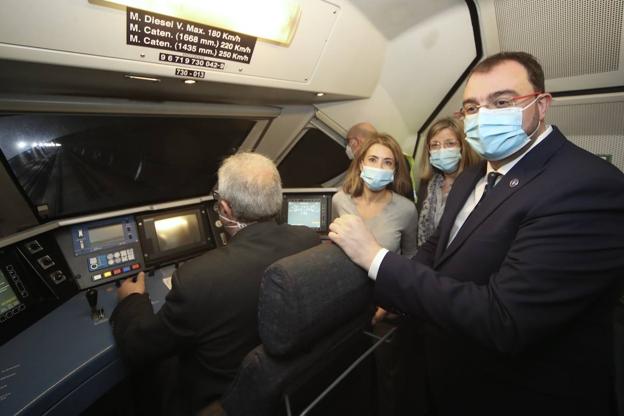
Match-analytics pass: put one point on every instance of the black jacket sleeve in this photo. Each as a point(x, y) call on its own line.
point(144, 337)
point(554, 270)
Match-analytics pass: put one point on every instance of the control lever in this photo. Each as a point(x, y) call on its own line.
point(96, 313)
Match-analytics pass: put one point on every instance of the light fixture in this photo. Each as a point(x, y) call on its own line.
point(141, 78)
point(274, 20)
point(320, 94)
point(189, 81)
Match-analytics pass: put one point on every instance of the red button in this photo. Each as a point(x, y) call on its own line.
point(136, 266)
point(116, 271)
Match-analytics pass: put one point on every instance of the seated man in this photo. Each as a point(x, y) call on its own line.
point(209, 320)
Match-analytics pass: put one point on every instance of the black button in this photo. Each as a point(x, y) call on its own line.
point(45, 262)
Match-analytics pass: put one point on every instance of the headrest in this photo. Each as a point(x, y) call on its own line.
point(307, 295)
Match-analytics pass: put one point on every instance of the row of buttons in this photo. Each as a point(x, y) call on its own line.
point(104, 260)
point(8, 314)
point(119, 256)
point(45, 262)
point(17, 280)
point(115, 272)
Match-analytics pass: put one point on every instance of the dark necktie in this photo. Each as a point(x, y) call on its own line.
point(491, 181)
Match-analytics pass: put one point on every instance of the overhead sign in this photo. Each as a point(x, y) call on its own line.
point(164, 32)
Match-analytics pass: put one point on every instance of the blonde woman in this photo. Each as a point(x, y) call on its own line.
point(447, 154)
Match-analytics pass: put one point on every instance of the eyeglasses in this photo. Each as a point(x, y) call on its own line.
point(499, 102)
point(446, 144)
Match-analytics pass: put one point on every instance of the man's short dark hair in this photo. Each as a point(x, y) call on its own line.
point(528, 61)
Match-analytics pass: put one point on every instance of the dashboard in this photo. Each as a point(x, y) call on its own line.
point(57, 355)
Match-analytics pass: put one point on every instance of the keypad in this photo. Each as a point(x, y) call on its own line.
point(103, 261)
point(118, 260)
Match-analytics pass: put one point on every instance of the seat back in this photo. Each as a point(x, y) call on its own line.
point(309, 305)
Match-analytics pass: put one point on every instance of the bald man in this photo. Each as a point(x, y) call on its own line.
point(357, 135)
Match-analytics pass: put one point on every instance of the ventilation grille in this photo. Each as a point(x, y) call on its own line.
point(568, 37)
point(596, 127)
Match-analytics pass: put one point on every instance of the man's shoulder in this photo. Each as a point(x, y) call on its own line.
point(301, 232)
point(260, 234)
point(573, 177)
point(247, 251)
point(579, 163)
point(211, 260)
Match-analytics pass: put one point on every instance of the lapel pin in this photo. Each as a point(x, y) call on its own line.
point(514, 182)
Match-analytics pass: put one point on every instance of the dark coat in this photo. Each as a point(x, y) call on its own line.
point(518, 307)
point(208, 322)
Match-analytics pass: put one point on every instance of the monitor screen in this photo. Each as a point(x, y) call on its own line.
point(176, 232)
point(169, 236)
point(306, 212)
point(312, 210)
point(8, 298)
point(106, 234)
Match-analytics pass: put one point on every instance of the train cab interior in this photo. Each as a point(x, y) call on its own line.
point(115, 116)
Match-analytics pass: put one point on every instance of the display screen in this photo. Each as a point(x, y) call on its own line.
point(8, 298)
point(175, 232)
point(106, 234)
point(306, 213)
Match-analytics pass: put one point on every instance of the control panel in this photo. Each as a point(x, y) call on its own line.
point(105, 234)
point(33, 281)
point(12, 293)
point(102, 251)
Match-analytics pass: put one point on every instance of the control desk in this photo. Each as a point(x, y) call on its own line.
point(57, 291)
point(66, 360)
point(57, 352)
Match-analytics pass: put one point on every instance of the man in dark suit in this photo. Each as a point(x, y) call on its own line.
point(209, 320)
point(517, 286)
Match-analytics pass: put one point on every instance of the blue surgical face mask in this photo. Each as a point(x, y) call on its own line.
point(496, 134)
point(376, 179)
point(447, 160)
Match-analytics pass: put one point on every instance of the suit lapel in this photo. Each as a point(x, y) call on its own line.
point(517, 178)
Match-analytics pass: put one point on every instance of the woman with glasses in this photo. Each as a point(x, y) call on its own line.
point(447, 154)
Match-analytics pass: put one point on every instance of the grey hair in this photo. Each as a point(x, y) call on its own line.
point(252, 186)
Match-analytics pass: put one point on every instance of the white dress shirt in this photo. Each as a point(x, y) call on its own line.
point(470, 203)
